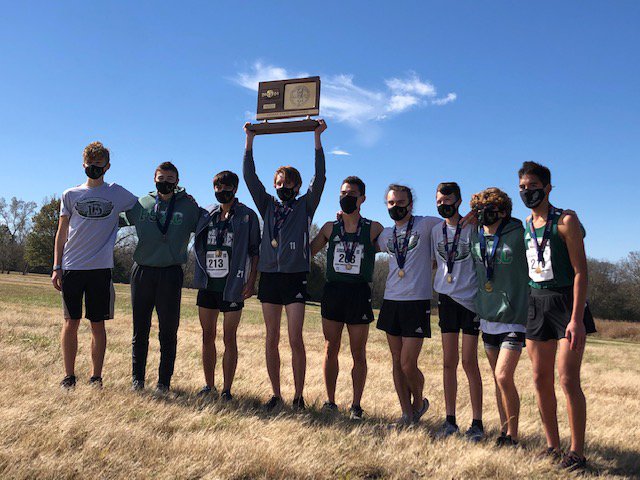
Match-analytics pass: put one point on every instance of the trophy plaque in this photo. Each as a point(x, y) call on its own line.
point(298, 97)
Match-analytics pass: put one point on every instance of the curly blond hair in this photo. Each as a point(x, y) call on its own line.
point(96, 151)
point(492, 196)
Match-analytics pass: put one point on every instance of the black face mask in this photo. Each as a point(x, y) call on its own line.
point(447, 211)
point(488, 216)
point(532, 197)
point(94, 172)
point(165, 187)
point(224, 196)
point(348, 204)
point(286, 194)
point(398, 213)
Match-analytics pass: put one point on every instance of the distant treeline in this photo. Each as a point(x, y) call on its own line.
point(27, 238)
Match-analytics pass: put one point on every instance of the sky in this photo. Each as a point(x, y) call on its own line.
point(413, 92)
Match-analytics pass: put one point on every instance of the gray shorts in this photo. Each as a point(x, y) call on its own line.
point(506, 340)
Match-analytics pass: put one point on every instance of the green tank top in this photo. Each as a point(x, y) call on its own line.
point(560, 272)
point(219, 241)
point(360, 267)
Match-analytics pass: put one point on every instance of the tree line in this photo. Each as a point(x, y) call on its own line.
point(27, 236)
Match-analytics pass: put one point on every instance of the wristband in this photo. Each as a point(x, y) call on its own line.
point(57, 267)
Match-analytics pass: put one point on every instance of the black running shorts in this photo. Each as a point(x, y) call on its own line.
point(214, 301)
point(506, 340)
point(282, 288)
point(550, 313)
point(348, 303)
point(409, 318)
point(455, 317)
point(96, 288)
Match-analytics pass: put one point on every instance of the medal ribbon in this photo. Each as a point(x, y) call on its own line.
point(281, 212)
point(349, 247)
point(489, 260)
point(401, 253)
point(545, 236)
point(451, 254)
point(168, 214)
point(221, 229)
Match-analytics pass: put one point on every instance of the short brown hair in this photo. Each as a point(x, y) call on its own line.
point(540, 171)
point(400, 188)
point(96, 151)
point(227, 178)
point(168, 166)
point(353, 180)
point(492, 196)
point(447, 188)
point(290, 174)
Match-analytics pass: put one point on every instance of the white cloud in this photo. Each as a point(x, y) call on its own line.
point(338, 151)
point(344, 101)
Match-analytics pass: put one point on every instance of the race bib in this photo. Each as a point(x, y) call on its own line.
point(217, 264)
point(340, 264)
point(539, 272)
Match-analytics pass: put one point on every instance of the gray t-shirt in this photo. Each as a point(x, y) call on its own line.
point(93, 224)
point(416, 283)
point(464, 285)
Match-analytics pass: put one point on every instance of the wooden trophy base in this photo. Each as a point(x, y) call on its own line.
point(266, 128)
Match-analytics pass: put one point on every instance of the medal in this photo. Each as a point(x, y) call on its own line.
point(349, 247)
point(545, 236)
point(538, 269)
point(451, 252)
point(218, 253)
point(449, 279)
point(402, 250)
point(489, 257)
point(488, 287)
point(349, 266)
point(280, 214)
point(401, 273)
point(274, 243)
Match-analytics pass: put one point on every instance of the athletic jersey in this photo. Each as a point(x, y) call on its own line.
point(416, 282)
point(463, 286)
point(360, 266)
point(557, 271)
point(219, 241)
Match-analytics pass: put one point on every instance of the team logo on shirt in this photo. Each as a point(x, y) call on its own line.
point(413, 242)
point(463, 252)
point(94, 207)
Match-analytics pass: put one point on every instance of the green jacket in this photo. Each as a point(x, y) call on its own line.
point(155, 249)
point(508, 302)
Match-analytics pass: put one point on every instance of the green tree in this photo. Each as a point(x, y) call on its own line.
point(40, 241)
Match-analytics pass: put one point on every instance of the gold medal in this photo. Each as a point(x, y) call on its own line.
point(349, 266)
point(488, 287)
point(538, 269)
point(218, 253)
point(401, 273)
point(274, 243)
point(449, 278)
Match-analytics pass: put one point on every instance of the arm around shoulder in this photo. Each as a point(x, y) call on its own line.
point(321, 238)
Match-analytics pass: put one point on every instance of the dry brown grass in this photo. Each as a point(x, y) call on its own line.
point(114, 433)
point(617, 330)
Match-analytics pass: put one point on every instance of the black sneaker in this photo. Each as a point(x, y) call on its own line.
point(226, 395)
point(161, 389)
point(356, 413)
point(137, 385)
point(273, 403)
point(417, 415)
point(206, 390)
point(572, 462)
point(553, 454)
point(298, 404)
point(329, 407)
point(95, 382)
point(506, 441)
point(68, 382)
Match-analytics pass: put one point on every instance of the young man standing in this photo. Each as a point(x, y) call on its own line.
point(406, 308)
point(83, 258)
point(227, 243)
point(456, 284)
point(285, 258)
point(164, 220)
point(501, 299)
point(347, 296)
point(559, 318)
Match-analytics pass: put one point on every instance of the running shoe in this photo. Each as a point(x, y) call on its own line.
point(161, 389)
point(329, 407)
point(273, 403)
point(356, 413)
point(207, 390)
point(137, 385)
point(68, 382)
point(553, 454)
point(474, 434)
point(226, 395)
point(298, 404)
point(506, 441)
point(418, 415)
point(95, 382)
point(447, 429)
point(572, 462)
point(403, 422)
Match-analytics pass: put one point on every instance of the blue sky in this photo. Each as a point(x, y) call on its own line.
point(415, 92)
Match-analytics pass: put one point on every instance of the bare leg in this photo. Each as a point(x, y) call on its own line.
point(543, 359)
point(332, 335)
point(358, 335)
point(413, 376)
point(402, 389)
point(295, 322)
point(230, 358)
point(505, 371)
point(272, 314)
point(470, 366)
point(450, 370)
point(69, 344)
point(492, 356)
point(98, 347)
point(569, 363)
point(208, 321)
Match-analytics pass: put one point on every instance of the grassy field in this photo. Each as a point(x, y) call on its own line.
point(115, 433)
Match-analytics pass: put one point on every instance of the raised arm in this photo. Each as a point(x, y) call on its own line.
point(259, 194)
point(319, 178)
point(321, 239)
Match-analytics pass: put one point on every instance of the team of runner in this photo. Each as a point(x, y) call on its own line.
point(519, 286)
